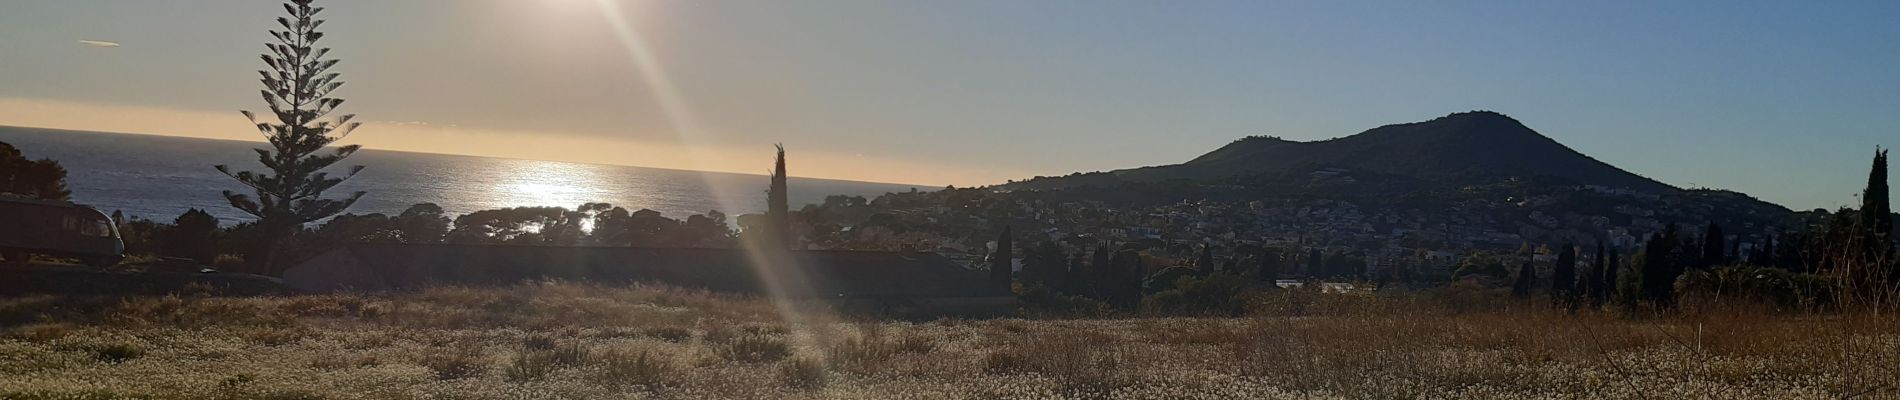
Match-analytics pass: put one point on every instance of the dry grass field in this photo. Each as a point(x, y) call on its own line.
point(581, 341)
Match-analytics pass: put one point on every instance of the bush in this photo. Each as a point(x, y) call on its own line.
point(531, 365)
point(542, 355)
point(1038, 300)
point(117, 353)
point(754, 348)
point(1775, 288)
point(672, 334)
point(804, 373)
point(455, 365)
point(641, 368)
point(1217, 294)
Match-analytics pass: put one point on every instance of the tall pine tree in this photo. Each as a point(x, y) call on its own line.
point(297, 91)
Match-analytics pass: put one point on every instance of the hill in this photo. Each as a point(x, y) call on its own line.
point(1459, 149)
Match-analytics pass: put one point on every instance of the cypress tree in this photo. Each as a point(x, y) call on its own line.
point(1612, 285)
point(1526, 278)
point(1764, 256)
point(296, 90)
point(1661, 265)
point(1593, 278)
point(1563, 275)
point(1876, 212)
point(1001, 267)
point(778, 207)
point(1714, 246)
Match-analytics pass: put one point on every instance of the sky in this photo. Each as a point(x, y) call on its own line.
point(1781, 100)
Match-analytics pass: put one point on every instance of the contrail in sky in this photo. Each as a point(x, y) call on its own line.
point(99, 43)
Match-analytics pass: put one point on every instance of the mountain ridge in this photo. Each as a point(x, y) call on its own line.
point(1459, 148)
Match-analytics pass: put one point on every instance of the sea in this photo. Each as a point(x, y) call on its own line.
point(159, 177)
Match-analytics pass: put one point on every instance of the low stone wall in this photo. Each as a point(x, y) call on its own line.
point(16, 281)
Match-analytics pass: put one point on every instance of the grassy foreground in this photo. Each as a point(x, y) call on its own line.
point(582, 341)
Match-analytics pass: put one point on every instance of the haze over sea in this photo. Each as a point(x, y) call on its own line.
point(159, 177)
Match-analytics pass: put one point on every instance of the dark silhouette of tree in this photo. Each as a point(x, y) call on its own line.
point(1204, 264)
point(1315, 263)
point(544, 226)
point(1076, 277)
point(42, 179)
point(1044, 264)
point(1269, 268)
point(1611, 271)
point(778, 208)
point(1764, 256)
point(1124, 279)
point(1593, 284)
point(422, 223)
point(296, 90)
point(193, 235)
point(1662, 264)
point(1876, 211)
point(1001, 266)
point(1563, 277)
point(1099, 266)
point(1526, 278)
point(1714, 246)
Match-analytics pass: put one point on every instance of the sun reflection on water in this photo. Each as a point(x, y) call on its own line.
point(542, 183)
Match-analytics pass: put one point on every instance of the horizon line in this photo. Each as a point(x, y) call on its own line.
point(919, 186)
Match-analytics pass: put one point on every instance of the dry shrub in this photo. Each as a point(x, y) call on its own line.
point(115, 353)
point(541, 355)
point(758, 329)
point(172, 310)
point(869, 351)
point(1085, 362)
point(41, 332)
point(333, 306)
point(530, 366)
point(754, 349)
point(1191, 332)
point(916, 344)
point(1011, 325)
point(338, 362)
point(646, 368)
point(276, 336)
point(671, 334)
point(105, 347)
point(459, 364)
point(804, 373)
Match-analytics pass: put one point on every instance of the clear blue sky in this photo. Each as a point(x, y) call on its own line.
point(1783, 100)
